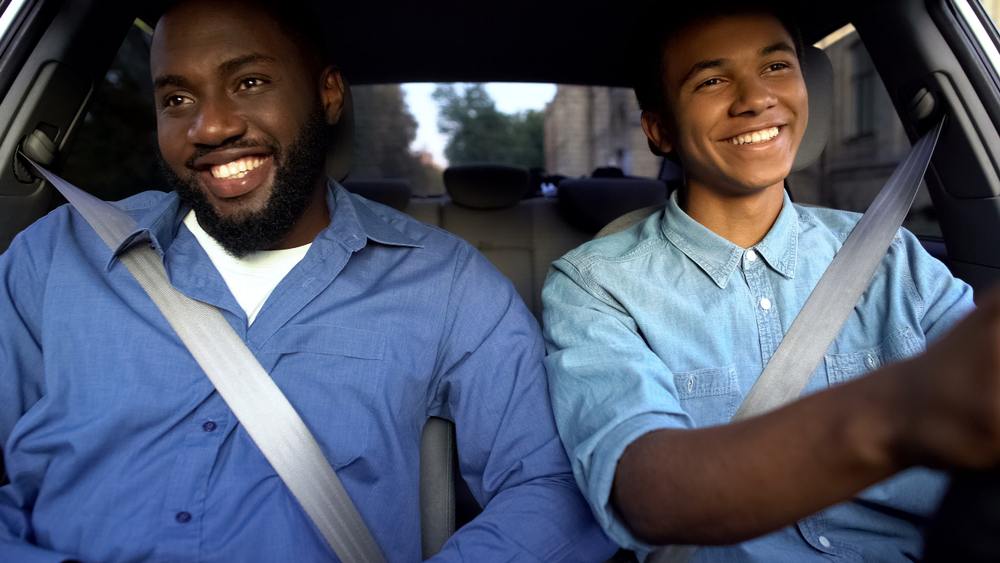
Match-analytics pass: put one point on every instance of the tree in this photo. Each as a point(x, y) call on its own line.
point(384, 129)
point(478, 132)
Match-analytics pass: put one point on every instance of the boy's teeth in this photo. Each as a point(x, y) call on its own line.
point(237, 168)
point(755, 137)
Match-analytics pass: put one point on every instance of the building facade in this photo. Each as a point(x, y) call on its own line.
point(590, 127)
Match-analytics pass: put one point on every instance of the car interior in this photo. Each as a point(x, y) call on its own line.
point(934, 57)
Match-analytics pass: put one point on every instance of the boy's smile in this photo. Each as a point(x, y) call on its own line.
point(736, 104)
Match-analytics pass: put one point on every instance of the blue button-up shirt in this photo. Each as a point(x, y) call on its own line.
point(668, 325)
point(119, 449)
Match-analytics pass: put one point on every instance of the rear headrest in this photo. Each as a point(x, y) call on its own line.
point(818, 74)
point(394, 193)
point(486, 186)
point(340, 155)
point(591, 203)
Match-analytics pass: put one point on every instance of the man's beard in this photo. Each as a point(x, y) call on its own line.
point(293, 189)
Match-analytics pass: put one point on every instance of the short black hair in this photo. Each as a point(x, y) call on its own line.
point(662, 20)
point(301, 24)
point(297, 20)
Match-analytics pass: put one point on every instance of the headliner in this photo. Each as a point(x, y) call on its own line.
point(558, 41)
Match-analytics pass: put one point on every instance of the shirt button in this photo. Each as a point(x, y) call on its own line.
point(690, 383)
point(209, 426)
point(824, 542)
point(765, 303)
point(870, 360)
point(183, 517)
point(751, 255)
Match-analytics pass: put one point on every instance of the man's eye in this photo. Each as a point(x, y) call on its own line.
point(173, 101)
point(252, 82)
point(710, 82)
point(777, 66)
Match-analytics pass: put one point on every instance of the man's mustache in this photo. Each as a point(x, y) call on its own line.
point(202, 150)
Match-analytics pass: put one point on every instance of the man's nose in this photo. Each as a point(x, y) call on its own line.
point(753, 96)
point(216, 122)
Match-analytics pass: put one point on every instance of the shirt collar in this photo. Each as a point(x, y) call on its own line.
point(718, 257)
point(349, 215)
point(352, 224)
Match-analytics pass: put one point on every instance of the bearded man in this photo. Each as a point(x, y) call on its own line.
point(119, 448)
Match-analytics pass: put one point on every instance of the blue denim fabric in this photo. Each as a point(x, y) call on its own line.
point(668, 325)
point(119, 449)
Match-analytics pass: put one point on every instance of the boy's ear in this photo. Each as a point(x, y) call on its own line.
point(656, 135)
point(332, 94)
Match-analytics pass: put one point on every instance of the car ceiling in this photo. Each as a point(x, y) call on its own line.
point(580, 42)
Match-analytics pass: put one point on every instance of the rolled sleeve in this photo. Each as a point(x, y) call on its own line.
point(607, 387)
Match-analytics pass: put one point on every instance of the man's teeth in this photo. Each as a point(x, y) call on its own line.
point(237, 168)
point(755, 137)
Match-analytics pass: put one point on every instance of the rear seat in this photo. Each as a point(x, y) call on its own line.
point(521, 237)
point(391, 192)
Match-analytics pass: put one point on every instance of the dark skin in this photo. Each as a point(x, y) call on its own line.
point(229, 83)
point(730, 483)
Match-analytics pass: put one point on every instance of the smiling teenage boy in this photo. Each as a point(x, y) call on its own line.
point(117, 446)
point(656, 335)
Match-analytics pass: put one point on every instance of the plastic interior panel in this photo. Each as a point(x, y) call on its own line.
point(962, 179)
point(55, 99)
point(53, 87)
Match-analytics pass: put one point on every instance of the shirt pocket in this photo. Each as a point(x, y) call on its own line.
point(332, 376)
point(899, 345)
point(709, 396)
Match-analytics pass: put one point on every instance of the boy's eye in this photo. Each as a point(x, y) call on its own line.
point(709, 82)
point(777, 66)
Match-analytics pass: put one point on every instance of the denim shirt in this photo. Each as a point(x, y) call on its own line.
point(119, 448)
point(668, 325)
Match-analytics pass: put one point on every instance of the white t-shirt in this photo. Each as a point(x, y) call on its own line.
point(253, 278)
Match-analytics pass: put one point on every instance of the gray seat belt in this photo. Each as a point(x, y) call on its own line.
point(249, 391)
point(831, 302)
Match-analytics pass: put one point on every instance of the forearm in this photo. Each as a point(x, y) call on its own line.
point(729, 483)
point(545, 519)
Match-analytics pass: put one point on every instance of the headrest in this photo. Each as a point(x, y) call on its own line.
point(394, 193)
point(486, 186)
point(340, 155)
point(591, 203)
point(818, 74)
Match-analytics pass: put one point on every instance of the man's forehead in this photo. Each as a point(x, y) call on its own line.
point(215, 32)
point(715, 40)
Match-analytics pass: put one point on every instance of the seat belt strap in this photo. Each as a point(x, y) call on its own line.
point(251, 394)
point(840, 287)
point(830, 304)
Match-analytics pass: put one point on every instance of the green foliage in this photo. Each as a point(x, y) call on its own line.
point(384, 129)
point(478, 132)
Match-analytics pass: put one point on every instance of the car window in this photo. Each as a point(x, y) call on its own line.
point(115, 154)
point(592, 127)
point(582, 129)
point(980, 23)
point(866, 140)
point(11, 10)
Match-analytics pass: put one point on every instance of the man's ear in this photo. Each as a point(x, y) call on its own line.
point(331, 86)
point(659, 142)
